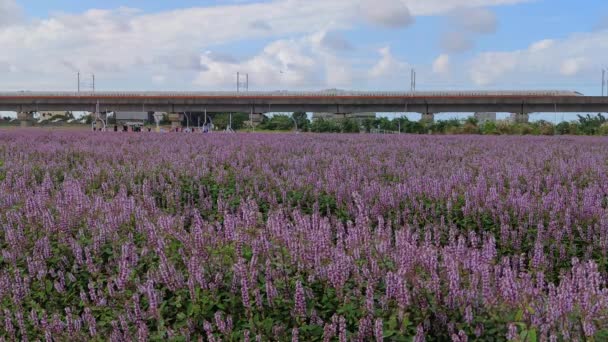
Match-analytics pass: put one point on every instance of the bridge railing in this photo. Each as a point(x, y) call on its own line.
point(280, 93)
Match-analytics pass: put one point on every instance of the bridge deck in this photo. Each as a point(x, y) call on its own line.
point(292, 94)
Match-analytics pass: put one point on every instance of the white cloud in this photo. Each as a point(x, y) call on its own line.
point(302, 64)
point(441, 65)
point(491, 66)
point(434, 7)
point(159, 79)
point(475, 19)
point(10, 12)
point(541, 45)
point(125, 45)
point(465, 24)
point(387, 13)
point(456, 41)
point(388, 65)
point(335, 41)
point(283, 62)
point(572, 66)
point(579, 55)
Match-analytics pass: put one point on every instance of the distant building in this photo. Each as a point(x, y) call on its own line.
point(485, 117)
point(362, 116)
point(324, 116)
point(355, 116)
point(44, 116)
point(131, 118)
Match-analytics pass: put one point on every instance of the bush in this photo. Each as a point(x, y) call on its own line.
point(325, 126)
point(278, 122)
point(350, 126)
point(489, 127)
point(562, 128)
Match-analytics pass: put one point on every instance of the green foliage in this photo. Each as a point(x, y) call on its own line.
point(590, 125)
point(222, 120)
point(489, 127)
point(562, 128)
point(325, 126)
point(586, 125)
point(301, 119)
point(350, 126)
point(278, 122)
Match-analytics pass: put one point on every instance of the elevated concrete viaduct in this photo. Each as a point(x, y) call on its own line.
point(426, 103)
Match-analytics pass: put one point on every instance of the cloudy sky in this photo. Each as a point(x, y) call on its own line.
point(304, 44)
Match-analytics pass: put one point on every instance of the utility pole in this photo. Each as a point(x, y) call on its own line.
point(413, 80)
point(251, 118)
point(78, 85)
point(93, 85)
point(603, 80)
point(243, 84)
point(399, 121)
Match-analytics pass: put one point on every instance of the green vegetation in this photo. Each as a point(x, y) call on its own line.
point(585, 125)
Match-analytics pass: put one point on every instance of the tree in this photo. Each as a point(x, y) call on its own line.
point(278, 122)
point(489, 127)
point(368, 124)
point(350, 126)
point(545, 127)
point(603, 129)
point(301, 118)
point(590, 125)
point(325, 126)
point(385, 124)
point(562, 128)
point(165, 120)
point(88, 118)
point(470, 126)
point(222, 120)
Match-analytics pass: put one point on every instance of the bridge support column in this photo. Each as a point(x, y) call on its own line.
point(427, 117)
point(176, 119)
point(327, 116)
point(520, 117)
point(25, 118)
point(255, 119)
point(100, 120)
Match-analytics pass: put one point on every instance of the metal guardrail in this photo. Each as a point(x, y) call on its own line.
point(280, 93)
point(382, 131)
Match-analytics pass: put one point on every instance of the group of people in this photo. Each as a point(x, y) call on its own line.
point(206, 128)
point(124, 128)
point(128, 128)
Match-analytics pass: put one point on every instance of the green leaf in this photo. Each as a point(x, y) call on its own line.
point(528, 335)
point(519, 315)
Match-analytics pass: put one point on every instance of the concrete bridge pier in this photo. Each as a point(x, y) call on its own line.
point(100, 119)
point(427, 117)
point(520, 117)
point(329, 116)
point(25, 118)
point(176, 119)
point(255, 119)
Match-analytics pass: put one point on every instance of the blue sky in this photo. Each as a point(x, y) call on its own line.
point(305, 44)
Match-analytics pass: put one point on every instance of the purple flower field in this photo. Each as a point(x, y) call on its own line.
point(247, 237)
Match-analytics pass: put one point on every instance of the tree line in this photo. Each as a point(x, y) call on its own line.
point(584, 125)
